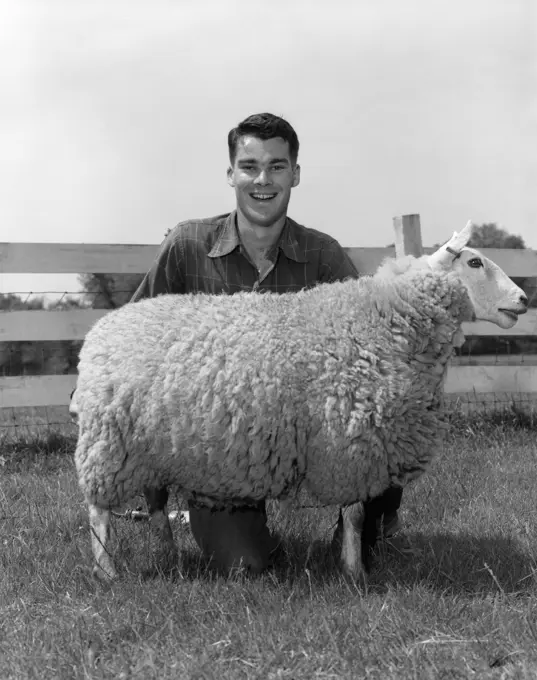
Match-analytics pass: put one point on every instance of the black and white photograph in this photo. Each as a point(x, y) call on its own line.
point(268, 340)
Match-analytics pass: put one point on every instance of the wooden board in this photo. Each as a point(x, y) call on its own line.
point(42, 390)
point(488, 379)
point(526, 325)
point(73, 324)
point(55, 390)
point(75, 258)
point(495, 360)
point(38, 325)
point(78, 258)
point(368, 260)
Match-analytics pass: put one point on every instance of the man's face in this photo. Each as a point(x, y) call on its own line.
point(263, 176)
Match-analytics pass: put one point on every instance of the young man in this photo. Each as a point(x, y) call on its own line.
point(257, 247)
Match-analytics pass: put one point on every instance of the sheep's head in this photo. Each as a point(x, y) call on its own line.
point(493, 295)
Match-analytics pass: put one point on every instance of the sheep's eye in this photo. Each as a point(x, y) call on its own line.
point(475, 262)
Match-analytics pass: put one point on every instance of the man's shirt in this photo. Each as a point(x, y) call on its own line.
point(207, 256)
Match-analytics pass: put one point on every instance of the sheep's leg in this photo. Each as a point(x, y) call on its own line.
point(100, 533)
point(391, 503)
point(347, 541)
point(166, 553)
point(367, 524)
point(373, 511)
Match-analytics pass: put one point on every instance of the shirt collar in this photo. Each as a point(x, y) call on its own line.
point(229, 239)
point(289, 242)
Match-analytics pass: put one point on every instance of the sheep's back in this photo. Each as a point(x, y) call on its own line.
point(216, 387)
point(253, 394)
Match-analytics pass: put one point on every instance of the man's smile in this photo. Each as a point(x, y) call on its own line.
point(263, 197)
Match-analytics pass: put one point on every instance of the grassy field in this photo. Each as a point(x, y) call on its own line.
point(453, 596)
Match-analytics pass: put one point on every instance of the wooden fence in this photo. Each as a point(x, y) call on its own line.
point(492, 375)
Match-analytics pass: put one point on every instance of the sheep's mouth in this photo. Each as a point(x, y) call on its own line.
point(511, 314)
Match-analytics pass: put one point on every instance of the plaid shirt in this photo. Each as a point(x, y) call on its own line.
point(208, 256)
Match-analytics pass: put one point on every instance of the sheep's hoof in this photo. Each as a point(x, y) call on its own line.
point(354, 574)
point(108, 575)
point(350, 564)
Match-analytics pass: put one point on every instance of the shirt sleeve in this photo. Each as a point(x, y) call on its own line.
point(335, 264)
point(166, 274)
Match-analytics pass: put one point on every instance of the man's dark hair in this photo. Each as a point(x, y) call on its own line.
point(263, 126)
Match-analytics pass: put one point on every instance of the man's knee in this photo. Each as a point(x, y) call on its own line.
point(233, 537)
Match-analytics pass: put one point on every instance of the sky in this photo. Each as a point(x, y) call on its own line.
point(115, 114)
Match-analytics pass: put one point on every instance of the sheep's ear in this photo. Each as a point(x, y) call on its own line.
point(446, 254)
point(459, 240)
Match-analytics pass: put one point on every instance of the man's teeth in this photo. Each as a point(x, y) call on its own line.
point(263, 197)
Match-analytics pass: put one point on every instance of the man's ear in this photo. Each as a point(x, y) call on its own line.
point(296, 175)
point(230, 178)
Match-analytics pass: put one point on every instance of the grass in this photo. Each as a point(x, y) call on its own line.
point(455, 596)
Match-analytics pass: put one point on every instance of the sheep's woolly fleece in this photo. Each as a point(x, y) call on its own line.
point(336, 390)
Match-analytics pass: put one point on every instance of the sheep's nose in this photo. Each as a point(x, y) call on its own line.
point(523, 299)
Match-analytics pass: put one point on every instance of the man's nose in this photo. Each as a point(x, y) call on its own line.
point(263, 178)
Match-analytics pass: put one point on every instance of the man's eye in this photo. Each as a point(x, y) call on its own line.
point(475, 262)
point(278, 168)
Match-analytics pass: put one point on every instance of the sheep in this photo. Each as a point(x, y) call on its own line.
point(336, 390)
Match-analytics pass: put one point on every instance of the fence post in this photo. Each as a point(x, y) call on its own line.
point(407, 236)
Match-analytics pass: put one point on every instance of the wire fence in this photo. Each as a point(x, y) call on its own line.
point(31, 421)
point(60, 357)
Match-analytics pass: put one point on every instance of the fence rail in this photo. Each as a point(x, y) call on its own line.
point(97, 258)
point(486, 376)
point(38, 325)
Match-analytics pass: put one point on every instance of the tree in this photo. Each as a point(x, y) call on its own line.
point(66, 303)
point(490, 235)
point(37, 357)
point(11, 302)
point(109, 291)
